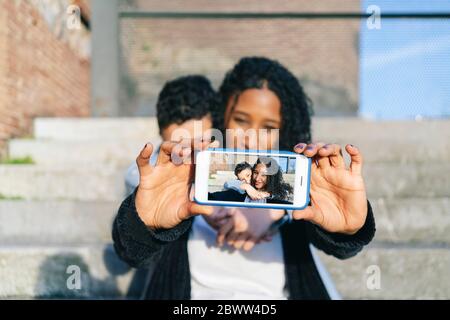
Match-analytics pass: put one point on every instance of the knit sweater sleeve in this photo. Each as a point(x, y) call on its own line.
point(343, 246)
point(137, 244)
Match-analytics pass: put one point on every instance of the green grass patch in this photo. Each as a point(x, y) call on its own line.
point(3, 197)
point(23, 160)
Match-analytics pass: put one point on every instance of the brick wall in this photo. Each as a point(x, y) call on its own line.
point(40, 72)
point(323, 53)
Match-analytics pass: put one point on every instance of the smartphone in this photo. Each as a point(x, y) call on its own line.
point(258, 179)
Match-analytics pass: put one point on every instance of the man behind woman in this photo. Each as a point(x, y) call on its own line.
point(183, 104)
point(242, 184)
point(159, 223)
point(259, 183)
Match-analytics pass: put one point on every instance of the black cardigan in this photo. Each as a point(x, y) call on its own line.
point(233, 195)
point(166, 250)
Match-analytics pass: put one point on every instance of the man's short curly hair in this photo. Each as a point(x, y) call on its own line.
point(260, 72)
point(184, 98)
point(241, 167)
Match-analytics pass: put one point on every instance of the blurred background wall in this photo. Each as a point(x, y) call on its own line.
point(322, 53)
point(44, 66)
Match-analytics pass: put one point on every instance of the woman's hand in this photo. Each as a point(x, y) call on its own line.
point(219, 217)
point(253, 193)
point(162, 199)
point(338, 196)
point(242, 228)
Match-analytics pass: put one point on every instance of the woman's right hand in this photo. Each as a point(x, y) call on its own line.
point(163, 195)
point(243, 228)
point(253, 193)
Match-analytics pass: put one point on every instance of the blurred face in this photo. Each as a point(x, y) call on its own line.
point(256, 109)
point(259, 176)
point(190, 129)
point(245, 175)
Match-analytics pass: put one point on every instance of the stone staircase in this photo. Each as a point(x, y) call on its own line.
point(407, 172)
point(58, 211)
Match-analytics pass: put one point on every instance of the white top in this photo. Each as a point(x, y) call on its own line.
point(224, 273)
point(248, 199)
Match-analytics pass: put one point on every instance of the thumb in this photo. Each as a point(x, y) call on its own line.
point(306, 214)
point(195, 209)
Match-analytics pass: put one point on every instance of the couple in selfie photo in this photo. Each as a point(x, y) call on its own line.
point(261, 183)
point(203, 252)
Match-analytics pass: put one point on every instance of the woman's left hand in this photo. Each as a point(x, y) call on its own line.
point(243, 228)
point(337, 193)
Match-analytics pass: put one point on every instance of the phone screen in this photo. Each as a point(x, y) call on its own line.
point(254, 179)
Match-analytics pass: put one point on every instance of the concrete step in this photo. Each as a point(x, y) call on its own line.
point(116, 139)
point(41, 272)
point(348, 128)
point(405, 273)
point(32, 182)
point(77, 152)
point(122, 150)
point(407, 180)
point(400, 151)
point(88, 129)
point(56, 222)
point(392, 179)
point(388, 141)
point(323, 128)
point(412, 220)
point(84, 182)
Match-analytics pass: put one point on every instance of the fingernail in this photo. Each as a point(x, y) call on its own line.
point(299, 146)
point(310, 148)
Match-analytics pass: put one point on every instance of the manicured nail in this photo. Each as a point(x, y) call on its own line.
point(310, 148)
point(299, 146)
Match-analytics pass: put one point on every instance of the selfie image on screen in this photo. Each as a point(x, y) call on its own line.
point(251, 178)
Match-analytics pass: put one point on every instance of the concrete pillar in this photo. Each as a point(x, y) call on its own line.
point(105, 76)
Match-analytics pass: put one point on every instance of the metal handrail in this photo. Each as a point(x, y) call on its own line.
point(277, 15)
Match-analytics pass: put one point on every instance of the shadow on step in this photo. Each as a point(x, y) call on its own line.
point(87, 275)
